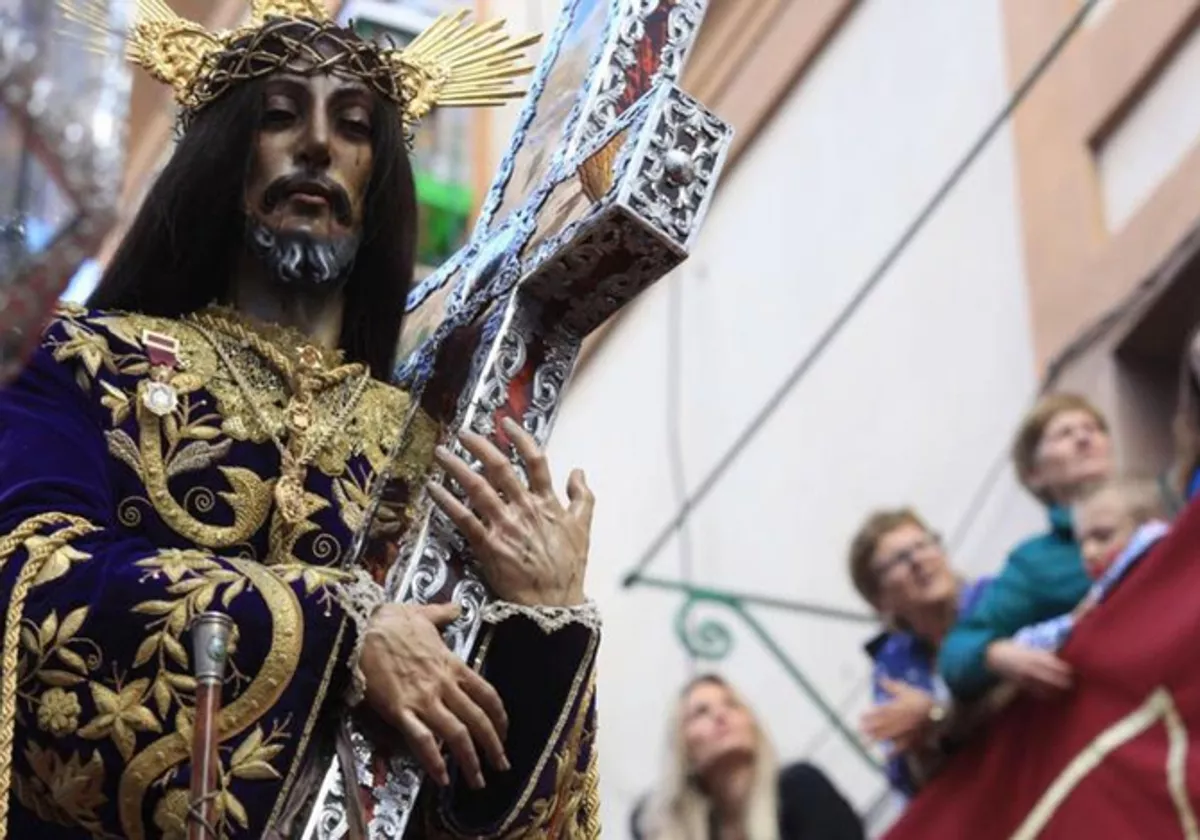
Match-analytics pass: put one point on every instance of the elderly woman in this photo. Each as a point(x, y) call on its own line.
point(722, 781)
point(899, 567)
point(1062, 449)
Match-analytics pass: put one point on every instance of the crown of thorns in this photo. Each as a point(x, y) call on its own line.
point(452, 63)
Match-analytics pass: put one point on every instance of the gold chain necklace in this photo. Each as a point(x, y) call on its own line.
point(294, 458)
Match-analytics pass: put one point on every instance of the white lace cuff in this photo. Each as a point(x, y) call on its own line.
point(549, 619)
point(359, 599)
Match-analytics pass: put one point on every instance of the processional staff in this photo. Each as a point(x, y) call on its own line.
point(211, 632)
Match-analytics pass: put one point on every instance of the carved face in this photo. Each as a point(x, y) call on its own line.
point(309, 173)
point(717, 728)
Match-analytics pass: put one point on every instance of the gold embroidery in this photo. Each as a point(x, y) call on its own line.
point(557, 815)
point(58, 712)
point(263, 692)
point(318, 705)
point(170, 814)
point(120, 715)
point(67, 793)
point(250, 497)
point(45, 561)
point(1158, 706)
point(204, 577)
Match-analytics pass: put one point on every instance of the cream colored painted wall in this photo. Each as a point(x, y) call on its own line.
point(914, 402)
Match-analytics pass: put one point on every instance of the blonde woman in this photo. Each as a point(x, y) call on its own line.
point(723, 782)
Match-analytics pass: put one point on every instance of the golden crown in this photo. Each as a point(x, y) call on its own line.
point(452, 63)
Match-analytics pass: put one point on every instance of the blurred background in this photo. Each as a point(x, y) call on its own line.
point(906, 249)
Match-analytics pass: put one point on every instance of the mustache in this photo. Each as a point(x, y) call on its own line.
point(338, 198)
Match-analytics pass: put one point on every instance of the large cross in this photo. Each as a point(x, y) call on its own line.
point(607, 178)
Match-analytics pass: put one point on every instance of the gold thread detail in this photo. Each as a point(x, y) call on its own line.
point(453, 63)
point(309, 725)
point(76, 527)
point(279, 664)
point(1158, 706)
point(250, 497)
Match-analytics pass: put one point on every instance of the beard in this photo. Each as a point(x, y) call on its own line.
point(302, 261)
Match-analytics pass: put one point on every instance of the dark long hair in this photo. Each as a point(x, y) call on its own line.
point(180, 253)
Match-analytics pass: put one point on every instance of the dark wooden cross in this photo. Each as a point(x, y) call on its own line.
point(602, 192)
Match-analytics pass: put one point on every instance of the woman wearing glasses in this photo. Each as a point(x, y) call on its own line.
point(899, 566)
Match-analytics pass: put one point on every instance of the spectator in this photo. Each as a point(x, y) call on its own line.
point(1062, 448)
point(722, 780)
point(899, 567)
point(1116, 524)
point(1186, 426)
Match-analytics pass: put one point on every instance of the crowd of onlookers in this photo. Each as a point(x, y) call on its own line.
point(953, 650)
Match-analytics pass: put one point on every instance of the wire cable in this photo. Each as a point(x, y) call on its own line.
point(868, 286)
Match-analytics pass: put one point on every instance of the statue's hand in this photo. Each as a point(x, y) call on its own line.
point(417, 684)
point(532, 549)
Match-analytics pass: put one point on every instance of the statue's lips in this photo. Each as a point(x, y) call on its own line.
point(310, 198)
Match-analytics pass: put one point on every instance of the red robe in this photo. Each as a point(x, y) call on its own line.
point(1119, 756)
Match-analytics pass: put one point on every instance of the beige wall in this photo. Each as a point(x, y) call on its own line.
point(1077, 267)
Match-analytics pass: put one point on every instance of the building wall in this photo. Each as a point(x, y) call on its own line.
point(912, 403)
point(1109, 164)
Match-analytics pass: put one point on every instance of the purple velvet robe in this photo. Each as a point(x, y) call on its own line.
point(118, 525)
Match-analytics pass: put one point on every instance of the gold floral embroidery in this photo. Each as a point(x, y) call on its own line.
point(197, 580)
point(121, 715)
point(170, 814)
point(250, 497)
point(93, 351)
point(259, 697)
point(250, 762)
point(62, 792)
point(58, 712)
point(54, 643)
point(45, 560)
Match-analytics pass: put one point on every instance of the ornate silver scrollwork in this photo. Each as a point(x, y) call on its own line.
point(683, 21)
point(674, 183)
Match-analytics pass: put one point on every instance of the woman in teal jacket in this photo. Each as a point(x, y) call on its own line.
point(1062, 447)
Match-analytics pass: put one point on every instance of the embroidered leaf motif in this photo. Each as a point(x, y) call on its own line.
point(59, 679)
point(183, 724)
point(175, 563)
point(48, 629)
point(29, 641)
point(71, 624)
point(122, 447)
point(64, 792)
point(85, 345)
point(175, 650)
point(162, 697)
point(247, 748)
point(235, 809)
point(56, 557)
point(72, 660)
point(120, 328)
point(145, 651)
point(116, 401)
point(202, 433)
point(198, 455)
point(154, 607)
point(181, 682)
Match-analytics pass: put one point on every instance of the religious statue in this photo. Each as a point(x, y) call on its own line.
point(210, 435)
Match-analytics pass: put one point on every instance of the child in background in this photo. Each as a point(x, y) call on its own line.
point(1116, 524)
